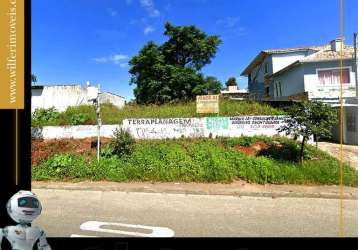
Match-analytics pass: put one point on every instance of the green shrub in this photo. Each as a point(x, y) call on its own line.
point(196, 160)
point(43, 117)
point(113, 115)
point(122, 142)
point(78, 115)
point(107, 151)
point(62, 166)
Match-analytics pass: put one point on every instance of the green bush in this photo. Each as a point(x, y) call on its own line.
point(62, 166)
point(85, 114)
point(122, 142)
point(43, 117)
point(77, 115)
point(199, 160)
point(107, 151)
point(77, 119)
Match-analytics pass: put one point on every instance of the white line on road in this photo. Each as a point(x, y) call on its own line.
point(95, 226)
point(82, 236)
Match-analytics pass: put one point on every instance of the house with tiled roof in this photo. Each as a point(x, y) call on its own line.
point(311, 72)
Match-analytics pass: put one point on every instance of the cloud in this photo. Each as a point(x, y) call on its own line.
point(118, 59)
point(128, 2)
point(148, 29)
point(231, 26)
point(149, 6)
point(228, 22)
point(112, 12)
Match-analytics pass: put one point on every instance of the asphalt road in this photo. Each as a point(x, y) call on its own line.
point(161, 214)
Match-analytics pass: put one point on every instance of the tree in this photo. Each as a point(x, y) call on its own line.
point(231, 82)
point(171, 72)
point(33, 78)
point(188, 46)
point(210, 86)
point(307, 119)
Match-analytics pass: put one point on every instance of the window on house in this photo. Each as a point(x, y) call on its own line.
point(351, 122)
point(249, 76)
point(333, 76)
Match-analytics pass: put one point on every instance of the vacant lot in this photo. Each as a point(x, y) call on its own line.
point(253, 159)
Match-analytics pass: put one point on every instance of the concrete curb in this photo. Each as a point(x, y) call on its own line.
point(271, 191)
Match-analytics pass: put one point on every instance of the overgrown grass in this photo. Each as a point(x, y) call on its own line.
point(110, 114)
point(201, 160)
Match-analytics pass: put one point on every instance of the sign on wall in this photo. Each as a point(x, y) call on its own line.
point(207, 104)
point(203, 127)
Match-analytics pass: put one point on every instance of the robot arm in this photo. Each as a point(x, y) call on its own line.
point(43, 245)
point(3, 233)
point(1, 236)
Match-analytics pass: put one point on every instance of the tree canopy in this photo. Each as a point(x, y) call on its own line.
point(171, 72)
point(231, 82)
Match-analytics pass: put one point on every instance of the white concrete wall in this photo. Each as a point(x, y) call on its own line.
point(172, 128)
point(63, 96)
point(60, 97)
point(116, 100)
point(75, 132)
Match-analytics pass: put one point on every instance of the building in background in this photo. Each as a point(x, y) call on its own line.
point(233, 92)
point(311, 73)
point(63, 96)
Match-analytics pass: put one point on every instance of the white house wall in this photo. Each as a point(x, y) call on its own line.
point(257, 89)
point(313, 88)
point(292, 82)
point(280, 61)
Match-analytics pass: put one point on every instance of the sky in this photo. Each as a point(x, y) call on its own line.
point(75, 41)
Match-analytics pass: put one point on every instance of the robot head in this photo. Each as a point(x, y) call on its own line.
point(24, 207)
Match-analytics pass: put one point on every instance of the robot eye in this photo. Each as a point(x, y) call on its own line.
point(22, 202)
point(35, 203)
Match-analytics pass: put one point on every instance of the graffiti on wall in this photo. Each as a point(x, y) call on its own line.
point(162, 128)
point(203, 127)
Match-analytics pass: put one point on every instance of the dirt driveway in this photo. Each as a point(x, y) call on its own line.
point(350, 152)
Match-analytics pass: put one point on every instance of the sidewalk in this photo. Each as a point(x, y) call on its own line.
point(350, 152)
point(238, 188)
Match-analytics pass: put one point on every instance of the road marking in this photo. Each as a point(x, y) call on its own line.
point(82, 235)
point(95, 226)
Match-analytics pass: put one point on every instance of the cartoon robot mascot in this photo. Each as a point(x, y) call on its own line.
point(24, 207)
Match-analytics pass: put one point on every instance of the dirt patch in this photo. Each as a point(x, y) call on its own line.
point(42, 149)
point(252, 150)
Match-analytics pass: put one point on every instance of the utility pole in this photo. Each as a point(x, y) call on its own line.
point(356, 60)
point(99, 123)
point(93, 94)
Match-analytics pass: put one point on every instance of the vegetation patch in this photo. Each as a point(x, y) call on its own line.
point(110, 114)
point(202, 160)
